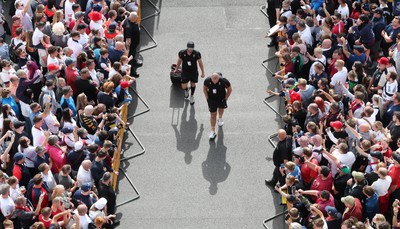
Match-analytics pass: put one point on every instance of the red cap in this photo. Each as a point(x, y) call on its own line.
point(336, 124)
point(95, 16)
point(53, 67)
point(125, 84)
point(383, 60)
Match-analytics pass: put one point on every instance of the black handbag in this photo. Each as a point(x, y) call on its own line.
point(175, 75)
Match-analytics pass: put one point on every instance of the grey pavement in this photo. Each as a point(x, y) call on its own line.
point(186, 181)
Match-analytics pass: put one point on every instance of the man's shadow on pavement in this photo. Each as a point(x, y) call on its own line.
point(215, 168)
point(186, 139)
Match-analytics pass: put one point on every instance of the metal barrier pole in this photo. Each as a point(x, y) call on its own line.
point(265, 66)
point(158, 11)
point(273, 217)
point(272, 108)
point(134, 188)
point(140, 144)
point(270, 139)
point(143, 101)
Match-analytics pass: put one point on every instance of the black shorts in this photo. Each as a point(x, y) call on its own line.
point(186, 77)
point(214, 104)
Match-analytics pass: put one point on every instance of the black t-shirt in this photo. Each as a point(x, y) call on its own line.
point(106, 99)
point(86, 87)
point(131, 30)
point(395, 134)
point(216, 91)
point(189, 62)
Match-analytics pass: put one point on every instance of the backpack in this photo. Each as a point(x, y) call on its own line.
point(11, 50)
point(41, 98)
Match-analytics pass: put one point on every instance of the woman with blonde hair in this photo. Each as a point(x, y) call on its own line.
point(58, 36)
point(81, 102)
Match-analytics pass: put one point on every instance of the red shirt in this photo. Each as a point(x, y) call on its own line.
point(71, 75)
point(355, 15)
point(319, 184)
point(338, 28)
point(323, 203)
point(46, 223)
point(289, 67)
point(13, 28)
point(388, 152)
point(356, 211)
point(17, 172)
point(394, 173)
point(307, 173)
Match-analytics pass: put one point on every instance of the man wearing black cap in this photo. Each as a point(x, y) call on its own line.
point(378, 24)
point(189, 58)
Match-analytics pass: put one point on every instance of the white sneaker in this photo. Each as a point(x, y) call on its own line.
point(213, 135)
point(220, 122)
point(186, 93)
point(191, 100)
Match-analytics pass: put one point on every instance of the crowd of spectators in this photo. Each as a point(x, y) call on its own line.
point(337, 161)
point(65, 70)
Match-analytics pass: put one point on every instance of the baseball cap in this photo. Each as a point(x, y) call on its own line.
point(332, 211)
point(81, 26)
point(359, 48)
point(86, 187)
point(112, 27)
point(336, 124)
point(79, 14)
point(359, 176)
point(125, 84)
point(190, 44)
point(69, 61)
point(39, 149)
point(348, 200)
point(289, 81)
point(18, 124)
point(101, 203)
point(383, 60)
point(378, 11)
point(78, 145)
point(345, 169)
point(396, 157)
point(53, 67)
point(67, 130)
point(97, 7)
point(18, 156)
point(376, 154)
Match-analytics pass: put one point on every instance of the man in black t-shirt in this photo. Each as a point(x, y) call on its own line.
point(189, 58)
point(217, 91)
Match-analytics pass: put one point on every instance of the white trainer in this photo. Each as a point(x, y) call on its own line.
point(191, 100)
point(186, 93)
point(213, 135)
point(220, 122)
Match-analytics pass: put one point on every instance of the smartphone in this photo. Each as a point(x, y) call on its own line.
point(293, 190)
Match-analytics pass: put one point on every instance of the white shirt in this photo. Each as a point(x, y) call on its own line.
point(306, 36)
point(388, 90)
point(50, 181)
point(7, 205)
point(339, 76)
point(38, 136)
point(97, 25)
point(14, 193)
point(25, 19)
point(84, 176)
point(6, 75)
point(381, 186)
point(346, 159)
point(93, 75)
point(30, 154)
point(50, 121)
point(83, 220)
point(37, 35)
point(344, 11)
point(51, 60)
point(84, 39)
point(68, 12)
point(25, 109)
point(76, 48)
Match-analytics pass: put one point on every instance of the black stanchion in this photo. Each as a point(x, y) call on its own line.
point(273, 217)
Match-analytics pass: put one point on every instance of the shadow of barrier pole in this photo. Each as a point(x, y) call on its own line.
point(158, 11)
point(273, 217)
point(263, 10)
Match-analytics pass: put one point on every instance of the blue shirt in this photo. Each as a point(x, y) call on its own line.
point(371, 206)
point(4, 53)
point(71, 105)
point(392, 33)
point(114, 55)
point(296, 173)
point(11, 101)
point(353, 58)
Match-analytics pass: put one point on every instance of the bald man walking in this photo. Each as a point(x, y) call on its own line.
point(131, 29)
point(217, 91)
point(281, 155)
